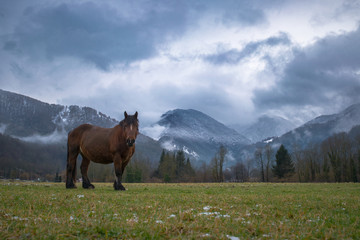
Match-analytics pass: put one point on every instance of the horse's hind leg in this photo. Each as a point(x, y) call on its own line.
point(84, 169)
point(71, 166)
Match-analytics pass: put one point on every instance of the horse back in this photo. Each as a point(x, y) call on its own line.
point(76, 134)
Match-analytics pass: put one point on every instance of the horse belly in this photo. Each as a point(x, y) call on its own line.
point(97, 155)
point(103, 159)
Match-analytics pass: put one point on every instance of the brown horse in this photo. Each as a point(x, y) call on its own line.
point(101, 145)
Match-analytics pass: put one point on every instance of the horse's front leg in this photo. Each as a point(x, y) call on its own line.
point(118, 173)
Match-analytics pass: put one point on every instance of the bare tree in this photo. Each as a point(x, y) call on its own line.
point(218, 164)
point(260, 162)
point(240, 172)
point(338, 148)
point(268, 158)
point(297, 156)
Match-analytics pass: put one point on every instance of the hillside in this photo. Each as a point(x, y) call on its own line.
point(322, 127)
point(311, 133)
point(267, 126)
point(196, 133)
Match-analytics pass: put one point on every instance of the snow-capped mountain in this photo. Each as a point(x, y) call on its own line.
point(314, 131)
point(310, 133)
point(323, 127)
point(341, 122)
point(23, 116)
point(267, 126)
point(196, 133)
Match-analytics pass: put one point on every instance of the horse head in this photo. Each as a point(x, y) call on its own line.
point(130, 126)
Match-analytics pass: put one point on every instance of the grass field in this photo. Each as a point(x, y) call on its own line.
point(180, 211)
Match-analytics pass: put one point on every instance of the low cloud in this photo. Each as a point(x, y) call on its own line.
point(154, 131)
point(54, 137)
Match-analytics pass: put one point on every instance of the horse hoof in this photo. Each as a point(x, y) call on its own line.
point(119, 188)
point(70, 186)
point(88, 186)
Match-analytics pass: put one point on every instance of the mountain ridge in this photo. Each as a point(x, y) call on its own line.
point(314, 131)
point(192, 131)
point(24, 116)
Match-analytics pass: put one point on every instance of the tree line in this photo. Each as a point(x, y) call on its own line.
point(336, 159)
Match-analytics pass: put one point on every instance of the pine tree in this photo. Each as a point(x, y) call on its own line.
point(180, 165)
point(189, 171)
point(167, 167)
point(284, 165)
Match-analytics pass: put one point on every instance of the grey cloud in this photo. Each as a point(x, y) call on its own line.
point(102, 35)
point(243, 12)
point(323, 74)
point(94, 33)
point(230, 12)
point(234, 56)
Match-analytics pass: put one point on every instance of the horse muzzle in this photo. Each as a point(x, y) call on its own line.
point(130, 142)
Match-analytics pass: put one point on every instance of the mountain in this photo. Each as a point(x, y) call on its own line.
point(267, 126)
point(323, 127)
point(24, 116)
point(196, 133)
point(312, 132)
point(30, 120)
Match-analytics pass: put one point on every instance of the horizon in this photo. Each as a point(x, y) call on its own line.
point(234, 61)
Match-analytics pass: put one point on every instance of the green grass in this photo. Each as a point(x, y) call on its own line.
point(180, 211)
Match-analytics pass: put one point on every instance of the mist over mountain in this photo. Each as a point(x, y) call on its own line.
point(267, 126)
point(311, 133)
point(323, 127)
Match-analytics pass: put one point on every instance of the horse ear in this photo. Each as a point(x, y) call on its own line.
point(136, 114)
point(125, 114)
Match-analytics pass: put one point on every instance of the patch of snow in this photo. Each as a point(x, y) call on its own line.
point(209, 213)
point(206, 235)
point(269, 140)
point(232, 237)
point(192, 153)
point(206, 208)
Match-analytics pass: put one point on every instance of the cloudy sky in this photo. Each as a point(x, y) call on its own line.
point(233, 60)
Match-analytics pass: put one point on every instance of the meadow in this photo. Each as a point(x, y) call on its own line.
point(31, 210)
